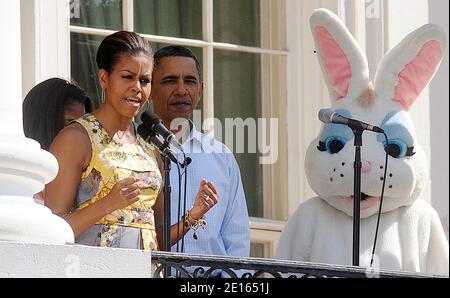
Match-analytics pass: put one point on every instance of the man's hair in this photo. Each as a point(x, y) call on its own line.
point(44, 106)
point(175, 51)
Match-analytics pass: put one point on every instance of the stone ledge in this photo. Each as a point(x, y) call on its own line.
point(40, 260)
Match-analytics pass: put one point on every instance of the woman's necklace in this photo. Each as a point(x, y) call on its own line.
point(120, 136)
point(126, 136)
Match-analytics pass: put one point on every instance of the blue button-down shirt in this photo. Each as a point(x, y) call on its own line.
point(227, 231)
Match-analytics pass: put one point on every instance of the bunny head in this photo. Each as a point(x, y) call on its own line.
point(401, 76)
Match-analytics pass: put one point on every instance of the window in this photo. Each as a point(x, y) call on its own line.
point(241, 45)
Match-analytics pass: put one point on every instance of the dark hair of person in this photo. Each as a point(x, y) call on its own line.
point(175, 51)
point(118, 43)
point(44, 106)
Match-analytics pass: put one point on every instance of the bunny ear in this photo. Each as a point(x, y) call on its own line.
point(343, 63)
point(408, 68)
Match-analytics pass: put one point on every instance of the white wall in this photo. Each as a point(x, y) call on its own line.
point(10, 74)
point(18, 260)
point(405, 16)
point(430, 112)
point(28, 32)
point(439, 117)
point(46, 38)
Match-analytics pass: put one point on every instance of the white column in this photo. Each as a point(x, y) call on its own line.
point(24, 167)
point(439, 122)
point(46, 38)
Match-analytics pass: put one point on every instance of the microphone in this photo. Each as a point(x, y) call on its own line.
point(331, 116)
point(188, 161)
point(152, 122)
point(151, 137)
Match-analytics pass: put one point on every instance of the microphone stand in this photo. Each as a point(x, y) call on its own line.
point(357, 194)
point(167, 191)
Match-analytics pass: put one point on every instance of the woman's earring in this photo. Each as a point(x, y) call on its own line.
point(103, 96)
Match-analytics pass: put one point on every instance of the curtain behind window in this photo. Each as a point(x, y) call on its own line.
point(172, 18)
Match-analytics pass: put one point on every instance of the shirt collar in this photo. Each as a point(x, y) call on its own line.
point(193, 135)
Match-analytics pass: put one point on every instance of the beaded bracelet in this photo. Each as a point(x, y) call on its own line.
point(197, 223)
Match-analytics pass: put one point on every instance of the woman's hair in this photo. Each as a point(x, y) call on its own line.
point(116, 44)
point(44, 107)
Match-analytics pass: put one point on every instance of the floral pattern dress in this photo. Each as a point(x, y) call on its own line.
point(133, 226)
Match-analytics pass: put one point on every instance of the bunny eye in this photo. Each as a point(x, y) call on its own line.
point(332, 144)
point(398, 149)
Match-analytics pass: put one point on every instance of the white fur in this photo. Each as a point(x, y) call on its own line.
point(350, 47)
point(411, 236)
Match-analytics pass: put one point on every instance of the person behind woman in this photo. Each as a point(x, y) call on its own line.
point(48, 107)
point(108, 179)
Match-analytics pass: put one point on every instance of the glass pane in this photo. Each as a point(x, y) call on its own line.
point(237, 101)
point(174, 18)
point(83, 49)
point(237, 22)
point(102, 14)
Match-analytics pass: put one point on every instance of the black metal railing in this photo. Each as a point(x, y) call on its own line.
point(206, 266)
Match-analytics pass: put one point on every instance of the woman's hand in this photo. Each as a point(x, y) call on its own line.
point(205, 199)
point(124, 193)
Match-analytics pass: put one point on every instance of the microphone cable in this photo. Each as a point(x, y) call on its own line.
point(188, 160)
point(180, 190)
point(180, 177)
point(381, 202)
point(179, 205)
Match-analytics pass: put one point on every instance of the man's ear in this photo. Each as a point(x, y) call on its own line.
point(103, 77)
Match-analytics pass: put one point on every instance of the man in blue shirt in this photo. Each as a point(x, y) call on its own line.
point(176, 90)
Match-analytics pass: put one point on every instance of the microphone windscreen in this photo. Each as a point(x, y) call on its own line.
point(143, 131)
point(187, 162)
point(325, 115)
point(149, 119)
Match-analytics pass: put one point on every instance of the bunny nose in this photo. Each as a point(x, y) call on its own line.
point(365, 166)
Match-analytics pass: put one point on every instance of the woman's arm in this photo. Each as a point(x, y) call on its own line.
point(72, 149)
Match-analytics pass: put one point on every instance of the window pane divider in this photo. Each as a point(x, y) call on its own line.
point(254, 50)
point(184, 41)
point(128, 15)
point(208, 66)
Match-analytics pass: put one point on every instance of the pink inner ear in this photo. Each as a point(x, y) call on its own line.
point(416, 74)
point(335, 61)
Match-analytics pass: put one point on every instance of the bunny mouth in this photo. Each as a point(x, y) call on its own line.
point(366, 201)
